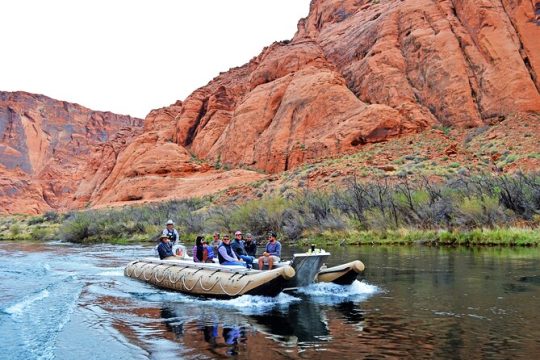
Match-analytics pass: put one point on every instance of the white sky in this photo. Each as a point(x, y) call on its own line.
point(131, 56)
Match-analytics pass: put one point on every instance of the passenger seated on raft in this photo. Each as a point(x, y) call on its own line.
point(200, 251)
point(238, 247)
point(215, 241)
point(226, 254)
point(272, 252)
point(165, 248)
point(210, 249)
point(250, 245)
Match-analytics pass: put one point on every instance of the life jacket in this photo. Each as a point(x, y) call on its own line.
point(229, 252)
point(171, 235)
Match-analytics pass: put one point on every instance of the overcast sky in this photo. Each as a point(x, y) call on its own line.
point(130, 56)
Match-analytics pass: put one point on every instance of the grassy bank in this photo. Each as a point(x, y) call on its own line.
point(479, 210)
point(31, 228)
point(476, 237)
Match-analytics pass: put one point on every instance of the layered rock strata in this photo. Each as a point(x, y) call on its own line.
point(356, 72)
point(366, 71)
point(48, 147)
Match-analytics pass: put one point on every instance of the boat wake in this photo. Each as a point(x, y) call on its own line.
point(112, 273)
point(329, 293)
point(19, 308)
point(249, 304)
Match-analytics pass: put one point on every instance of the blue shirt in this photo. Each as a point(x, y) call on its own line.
point(274, 249)
point(164, 250)
point(210, 249)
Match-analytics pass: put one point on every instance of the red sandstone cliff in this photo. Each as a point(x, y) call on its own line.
point(366, 71)
point(48, 147)
point(356, 72)
point(56, 155)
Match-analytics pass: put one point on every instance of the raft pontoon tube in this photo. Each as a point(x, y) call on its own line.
point(343, 274)
point(207, 279)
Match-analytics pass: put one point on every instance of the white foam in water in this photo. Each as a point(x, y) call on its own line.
point(112, 273)
point(248, 304)
point(18, 308)
point(333, 293)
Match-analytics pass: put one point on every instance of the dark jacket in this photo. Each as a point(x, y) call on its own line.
point(238, 247)
point(164, 250)
point(251, 248)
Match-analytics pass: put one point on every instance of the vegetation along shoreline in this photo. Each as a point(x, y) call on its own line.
point(480, 210)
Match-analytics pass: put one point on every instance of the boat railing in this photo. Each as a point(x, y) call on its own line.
point(190, 264)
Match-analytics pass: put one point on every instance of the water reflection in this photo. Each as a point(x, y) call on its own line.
point(304, 321)
point(61, 301)
point(207, 326)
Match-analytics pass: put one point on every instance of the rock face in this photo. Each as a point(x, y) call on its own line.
point(356, 72)
point(366, 71)
point(56, 155)
point(47, 147)
point(154, 167)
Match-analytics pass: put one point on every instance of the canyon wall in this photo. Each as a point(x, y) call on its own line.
point(367, 71)
point(48, 147)
point(355, 72)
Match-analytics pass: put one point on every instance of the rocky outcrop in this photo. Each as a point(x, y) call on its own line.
point(154, 167)
point(56, 155)
point(48, 147)
point(356, 72)
point(366, 71)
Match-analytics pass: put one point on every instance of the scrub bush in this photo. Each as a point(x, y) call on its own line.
point(460, 205)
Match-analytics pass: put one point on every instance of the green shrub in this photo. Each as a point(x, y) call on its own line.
point(51, 216)
point(384, 207)
point(484, 211)
point(15, 230)
point(260, 216)
point(36, 220)
point(77, 229)
point(41, 234)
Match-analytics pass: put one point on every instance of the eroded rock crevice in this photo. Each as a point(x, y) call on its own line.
point(193, 129)
point(522, 51)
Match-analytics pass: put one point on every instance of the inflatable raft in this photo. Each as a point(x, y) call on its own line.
point(212, 280)
point(310, 268)
point(344, 274)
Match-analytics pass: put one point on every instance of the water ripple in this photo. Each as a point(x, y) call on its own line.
point(18, 308)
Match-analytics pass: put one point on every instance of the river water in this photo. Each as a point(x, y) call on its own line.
point(64, 301)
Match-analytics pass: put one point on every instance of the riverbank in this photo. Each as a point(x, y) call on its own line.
point(476, 237)
point(25, 228)
point(459, 210)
